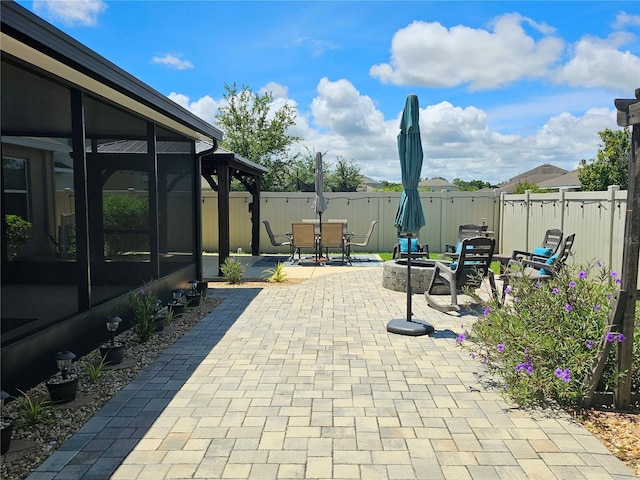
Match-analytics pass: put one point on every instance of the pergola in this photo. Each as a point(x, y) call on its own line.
point(226, 165)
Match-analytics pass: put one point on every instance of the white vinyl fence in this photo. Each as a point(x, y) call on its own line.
point(517, 221)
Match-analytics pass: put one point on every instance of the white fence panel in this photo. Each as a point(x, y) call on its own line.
point(518, 221)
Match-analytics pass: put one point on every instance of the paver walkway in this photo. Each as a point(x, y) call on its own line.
point(304, 381)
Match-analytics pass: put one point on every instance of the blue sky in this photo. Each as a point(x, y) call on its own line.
point(503, 86)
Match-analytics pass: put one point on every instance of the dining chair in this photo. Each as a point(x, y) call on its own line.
point(358, 241)
point(332, 236)
point(303, 235)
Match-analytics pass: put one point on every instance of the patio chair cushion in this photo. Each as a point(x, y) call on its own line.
point(459, 247)
point(542, 252)
point(404, 243)
point(551, 261)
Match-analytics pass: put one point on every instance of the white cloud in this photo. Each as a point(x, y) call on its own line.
point(318, 47)
point(599, 62)
point(624, 19)
point(205, 107)
point(172, 61)
point(341, 108)
point(71, 12)
point(430, 55)
point(458, 141)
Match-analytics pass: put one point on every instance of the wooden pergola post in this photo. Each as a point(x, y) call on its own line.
point(629, 116)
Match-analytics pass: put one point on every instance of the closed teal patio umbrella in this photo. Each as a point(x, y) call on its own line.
point(410, 217)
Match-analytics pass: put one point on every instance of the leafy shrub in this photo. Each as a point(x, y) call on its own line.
point(122, 213)
point(145, 305)
point(233, 270)
point(17, 232)
point(543, 342)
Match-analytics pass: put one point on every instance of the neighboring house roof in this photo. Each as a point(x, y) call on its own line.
point(25, 35)
point(568, 180)
point(437, 184)
point(369, 184)
point(534, 176)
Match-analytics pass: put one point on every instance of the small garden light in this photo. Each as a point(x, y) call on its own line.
point(112, 324)
point(63, 360)
point(177, 294)
point(193, 284)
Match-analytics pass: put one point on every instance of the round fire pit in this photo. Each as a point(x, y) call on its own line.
point(394, 275)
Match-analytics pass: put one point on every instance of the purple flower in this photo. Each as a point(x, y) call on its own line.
point(507, 289)
point(582, 275)
point(610, 337)
point(572, 284)
point(564, 375)
point(590, 344)
point(501, 347)
point(525, 367)
point(516, 299)
point(618, 280)
point(487, 309)
point(462, 337)
point(597, 307)
point(614, 274)
point(555, 290)
point(568, 307)
point(473, 356)
point(538, 284)
point(232, 260)
point(621, 338)
point(599, 263)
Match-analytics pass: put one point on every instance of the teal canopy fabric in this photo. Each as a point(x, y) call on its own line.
point(410, 217)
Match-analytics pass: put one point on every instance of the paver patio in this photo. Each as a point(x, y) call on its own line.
point(304, 381)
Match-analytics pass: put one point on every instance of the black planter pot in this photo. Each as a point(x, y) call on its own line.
point(202, 288)
point(63, 392)
point(193, 299)
point(159, 323)
point(5, 440)
point(177, 308)
point(112, 355)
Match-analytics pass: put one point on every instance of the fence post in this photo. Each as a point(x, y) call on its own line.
point(563, 209)
point(527, 200)
point(612, 189)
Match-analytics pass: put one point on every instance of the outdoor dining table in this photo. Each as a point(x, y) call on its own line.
point(346, 236)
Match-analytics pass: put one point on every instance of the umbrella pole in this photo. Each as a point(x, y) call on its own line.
point(319, 253)
point(408, 326)
point(409, 314)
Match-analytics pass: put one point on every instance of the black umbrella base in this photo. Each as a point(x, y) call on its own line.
point(414, 329)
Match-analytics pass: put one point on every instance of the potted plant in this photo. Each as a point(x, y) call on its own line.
point(202, 288)
point(63, 386)
point(193, 296)
point(177, 304)
point(112, 352)
point(6, 427)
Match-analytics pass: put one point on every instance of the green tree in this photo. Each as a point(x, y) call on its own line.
point(255, 131)
point(470, 186)
point(524, 186)
point(303, 169)
point(610, 165)
point(345, 176)
point(390, 186)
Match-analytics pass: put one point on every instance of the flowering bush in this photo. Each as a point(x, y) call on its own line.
point(542, 343)
point(233, 270)
point(146, 306)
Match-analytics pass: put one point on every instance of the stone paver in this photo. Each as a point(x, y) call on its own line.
point(304, 381)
